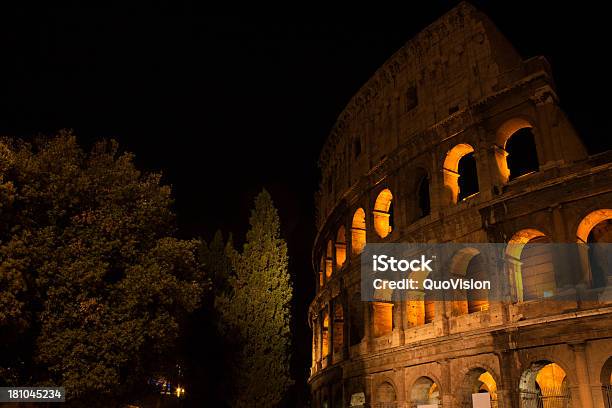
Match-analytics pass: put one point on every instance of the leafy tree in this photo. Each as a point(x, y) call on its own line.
point(255, 311)
point(92, 282)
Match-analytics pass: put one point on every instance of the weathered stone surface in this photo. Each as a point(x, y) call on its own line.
point(458, 90)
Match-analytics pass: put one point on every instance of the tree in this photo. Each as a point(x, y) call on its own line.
point(214, 258)
point(255, 311)
point(92, 282)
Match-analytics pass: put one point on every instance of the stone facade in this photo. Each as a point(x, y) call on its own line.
point(435, 148)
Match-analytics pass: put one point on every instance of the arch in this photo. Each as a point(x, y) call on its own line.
point(590, 221)
point(340, 247)
point(385, 392)
point(383, 213)
point(460, 174)
point(532, 266)
point(324, 334)
point(424, 391)
point(606, 382)
point(478, 380)
point(423, 196)
point(469, 263)
point(329, 259)
point(594, 230)
point(520, 156)
point(519, 239)
point(509, 127)
point(338, 338)
point(358, 232)
point(544, 384)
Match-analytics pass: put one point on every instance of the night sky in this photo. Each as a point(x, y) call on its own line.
point(227, 105)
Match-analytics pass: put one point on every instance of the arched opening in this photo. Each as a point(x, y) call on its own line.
point(340, 247)
point(595, 230)
point(530, 260)
point(382, 318)
point(606, 383)
point(385, 394)
point(418, 187)
point(423, 198)
point(468, 263)
point(424, 391)
point(356, 328)
point(479, 381)
point(338, 327)
point(477, 299)
point(324, 334)
point(460, 173)
point(358, 232)
point(383, 213)
point(468, 177)
point(522, 155)
point(329, 260)
point(544, 384)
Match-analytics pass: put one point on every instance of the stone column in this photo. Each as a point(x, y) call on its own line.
point(436, 185)
point(369, 389)
point(398, 319)
point(446, 388)
point(483, 171)
point(507, 390)
point(582, 374)
point(345, 325)
point(330, 333)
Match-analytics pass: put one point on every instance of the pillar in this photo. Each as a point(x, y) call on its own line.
point(582, 375)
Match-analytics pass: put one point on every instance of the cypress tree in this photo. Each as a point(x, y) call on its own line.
point(255, 311)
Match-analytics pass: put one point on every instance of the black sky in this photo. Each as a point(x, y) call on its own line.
point(226, 105)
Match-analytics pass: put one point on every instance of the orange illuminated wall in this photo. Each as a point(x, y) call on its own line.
point(358, 232)
point(382, 318)
point(340, 247)
point(325, 335)
point(381, 213)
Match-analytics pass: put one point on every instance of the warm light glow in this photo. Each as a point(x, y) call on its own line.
point(325, 335)
point(489, 384)
point(550, 379)
point(519, 239)
point(509, 128)
point(451, 169)
point(425, 391)
point(532, 269)
point(358, 232)
point(590, 221)
point(329, 260)
point(430, 310)
point(340, 247)
point(382, 318)
point(381, 213)
point(180, 391)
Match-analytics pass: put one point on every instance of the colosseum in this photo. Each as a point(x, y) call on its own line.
point(456, 138)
